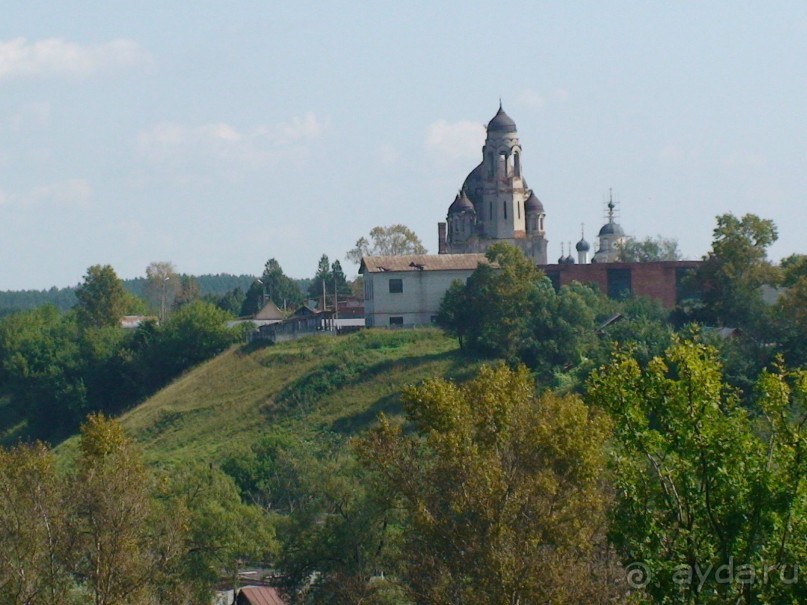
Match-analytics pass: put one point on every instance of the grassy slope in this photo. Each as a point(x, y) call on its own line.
point(320, 383)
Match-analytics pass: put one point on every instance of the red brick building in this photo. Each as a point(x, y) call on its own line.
point(662, 281)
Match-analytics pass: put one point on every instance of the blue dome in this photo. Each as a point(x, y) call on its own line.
point(583, 246)
point(501, 122)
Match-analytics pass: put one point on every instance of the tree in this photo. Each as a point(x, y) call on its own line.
point(114, 517)
point(502, 491)
point(102, 300)
point(394, 240)
point(188, 291)
point(193, 334)
point(733, 273)
point(650, 249)
point(221, 532)
point(491, 311)
point(322, 279)
point(339, 281)
point(34, 542)
point(280, 288)
point(702, 491)
point(339, 539)
point(161, 287)
point(231, 302)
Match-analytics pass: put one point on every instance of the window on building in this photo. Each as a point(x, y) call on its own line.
point(395, 286)
point(504, 205)
point(619, 283)
point(396, 321)
point(554, 277)
point(685, 288)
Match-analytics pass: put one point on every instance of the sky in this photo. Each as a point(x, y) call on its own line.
point(218, 135)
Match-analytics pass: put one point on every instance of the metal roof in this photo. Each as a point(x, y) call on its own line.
point(421, 262)
point(259, 595)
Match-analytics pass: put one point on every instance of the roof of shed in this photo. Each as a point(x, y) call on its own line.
point(260, 595)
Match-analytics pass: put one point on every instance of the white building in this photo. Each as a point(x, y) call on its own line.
point(407, 290)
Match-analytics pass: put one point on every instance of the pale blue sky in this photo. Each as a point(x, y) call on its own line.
point(217, 135)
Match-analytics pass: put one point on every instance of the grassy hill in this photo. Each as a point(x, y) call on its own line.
point(320, 383)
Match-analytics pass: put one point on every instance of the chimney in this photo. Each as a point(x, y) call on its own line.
point(441, 238)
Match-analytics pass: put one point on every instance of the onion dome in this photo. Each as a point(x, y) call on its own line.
point(460, 204)
point(501, 122)
point(533, 205)
point(562, 259)
point(611, 228)
point(569, 260)
point(582, 246)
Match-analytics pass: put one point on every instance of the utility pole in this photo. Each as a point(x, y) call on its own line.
point(162, 302)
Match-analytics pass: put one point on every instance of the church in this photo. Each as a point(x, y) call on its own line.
point(495, 205)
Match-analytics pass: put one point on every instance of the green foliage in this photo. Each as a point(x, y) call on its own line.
point(648, 250)
point(699, 485)
point(34, 541)
point(491, 311)
point(56, 371)
point(285, 292)
point(221, 533)
point(502, 492)
point(194, 333)
point(339, 531)
point(733, 273)
point(102, 300)
point(394, 240)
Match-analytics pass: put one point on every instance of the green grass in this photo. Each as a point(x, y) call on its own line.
point(316, 384)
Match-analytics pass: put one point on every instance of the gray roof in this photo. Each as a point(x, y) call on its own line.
point(611, 228)
point(533, 204)
point(461, 204)
point(421, 262)
point(501, 122)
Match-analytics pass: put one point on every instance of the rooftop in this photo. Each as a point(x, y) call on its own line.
point(421, 262)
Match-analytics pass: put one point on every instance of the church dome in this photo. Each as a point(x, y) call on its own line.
point(583, 246)
point(533, 204)
point(611, 229)
point(501, 122)
point(461, 204)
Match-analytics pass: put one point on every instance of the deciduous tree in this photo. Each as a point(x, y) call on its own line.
point(394, 240)
point(503, 492)
point(648, 250)
point(703, 486)
point(733, 273)
point(102, 300)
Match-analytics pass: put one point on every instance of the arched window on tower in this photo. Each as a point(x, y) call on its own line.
point(503, 164)
point(516, 164)
point(491, 166)
point(504, 205)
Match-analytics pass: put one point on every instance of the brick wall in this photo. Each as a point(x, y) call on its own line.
point(654, 280)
